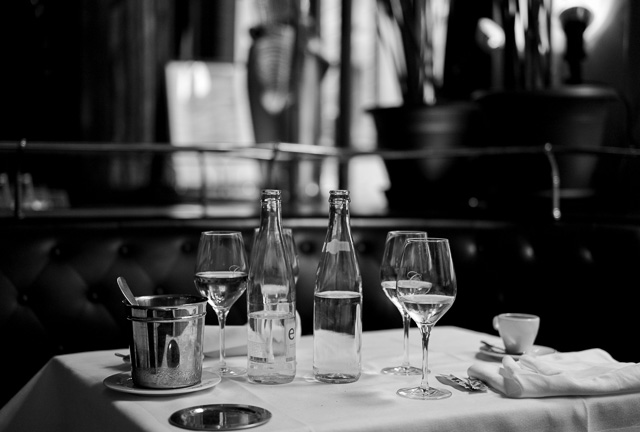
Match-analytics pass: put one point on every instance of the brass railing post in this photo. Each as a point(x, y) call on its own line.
point(17, 205)
point(555, 182)
point(203, 180)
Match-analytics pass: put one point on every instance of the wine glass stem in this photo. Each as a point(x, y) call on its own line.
point(406, 324)
point(426, 332)
point(222, 317)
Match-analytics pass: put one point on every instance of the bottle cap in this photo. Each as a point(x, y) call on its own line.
point(270, 193)
point(339, 194)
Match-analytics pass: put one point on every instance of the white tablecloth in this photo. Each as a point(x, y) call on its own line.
point(68, 395)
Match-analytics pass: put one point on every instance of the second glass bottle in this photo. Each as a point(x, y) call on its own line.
point(337, 303)
point(271, 301)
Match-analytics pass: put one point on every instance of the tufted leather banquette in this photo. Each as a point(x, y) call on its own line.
point(58, 291)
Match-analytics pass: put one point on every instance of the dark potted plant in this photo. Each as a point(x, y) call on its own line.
point(526, 108)
point(413, 33)
point(533, 109)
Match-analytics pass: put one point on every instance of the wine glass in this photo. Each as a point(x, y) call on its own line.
point(426, 285)
point(221, 277)
point(393, 248)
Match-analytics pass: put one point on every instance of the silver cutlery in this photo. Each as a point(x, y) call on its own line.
point(126, 291)
point(468, 383)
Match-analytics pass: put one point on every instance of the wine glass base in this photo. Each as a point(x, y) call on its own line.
point(420, 393)
point(402, 370)
point(231, 371)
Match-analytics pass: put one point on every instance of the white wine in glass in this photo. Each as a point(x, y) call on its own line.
point(393, 248)
point(427, 287)
point(221, 277)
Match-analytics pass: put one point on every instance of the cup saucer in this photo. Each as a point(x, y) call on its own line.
point(536, 350)
point(122, 382)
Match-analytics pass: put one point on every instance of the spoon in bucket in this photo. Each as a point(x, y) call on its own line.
point(126, 291)
point(122, 283)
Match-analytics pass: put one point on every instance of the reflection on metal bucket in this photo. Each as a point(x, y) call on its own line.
point(167, 340)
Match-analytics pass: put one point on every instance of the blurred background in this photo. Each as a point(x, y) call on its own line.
point(332, 77)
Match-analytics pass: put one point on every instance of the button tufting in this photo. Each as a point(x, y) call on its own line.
point(23, 299)
point(56, 252)
point(471, 249)
point(362, 247)
point(159, 290)
point(306, 247)
point(124, 250)
point(93, 296)
point(586, 256)
point(527, 252)
point(187, 247)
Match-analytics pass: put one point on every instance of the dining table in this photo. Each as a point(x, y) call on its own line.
point(69, 394)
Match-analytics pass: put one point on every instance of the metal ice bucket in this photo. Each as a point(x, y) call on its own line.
point(167, 340)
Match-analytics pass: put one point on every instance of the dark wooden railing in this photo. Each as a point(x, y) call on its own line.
point(292, 152)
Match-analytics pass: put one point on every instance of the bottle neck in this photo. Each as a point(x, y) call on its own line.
point(270, 214)
point(339, 206)
point(339, 209)
point(271, 281)
point(339, 223)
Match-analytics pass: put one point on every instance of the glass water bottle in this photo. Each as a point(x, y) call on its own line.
point(337, 303)
point(271, 301)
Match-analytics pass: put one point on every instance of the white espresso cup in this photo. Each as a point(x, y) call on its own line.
point(517, 330)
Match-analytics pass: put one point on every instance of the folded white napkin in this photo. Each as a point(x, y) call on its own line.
point(590, 372)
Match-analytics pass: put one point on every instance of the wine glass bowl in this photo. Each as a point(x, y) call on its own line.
point(393, 248)
point(221, 288)
point(221, 276)
point(427, 288)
